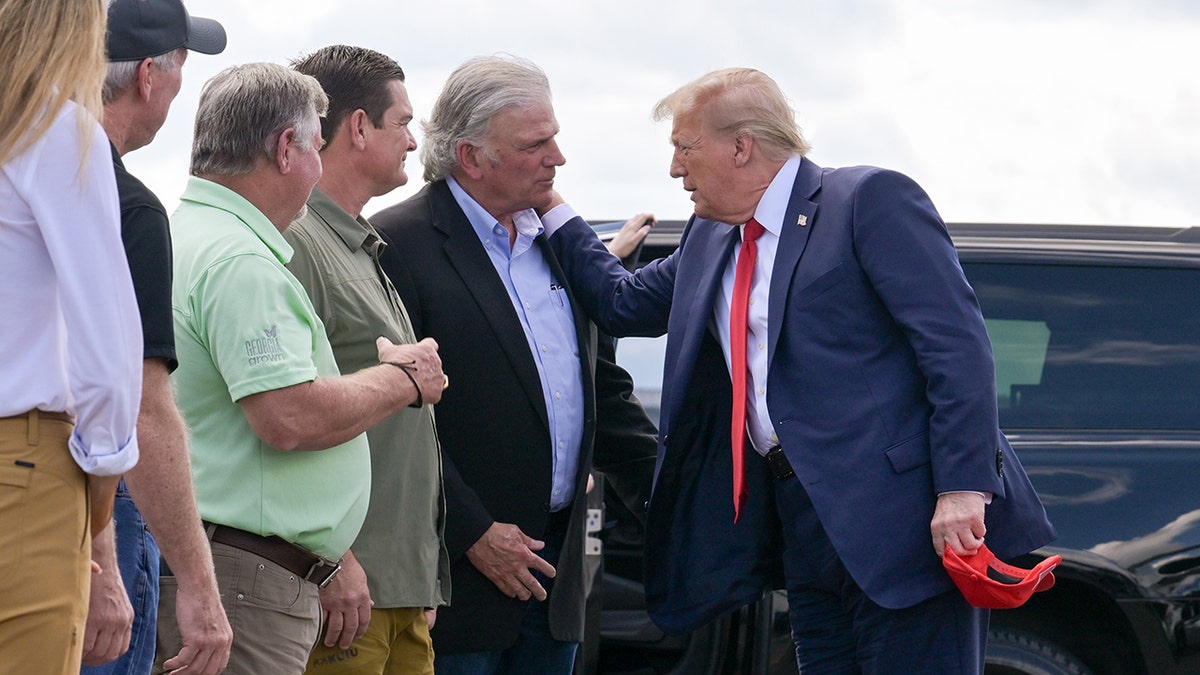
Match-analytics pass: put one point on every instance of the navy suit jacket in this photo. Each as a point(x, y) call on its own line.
point(880, 387)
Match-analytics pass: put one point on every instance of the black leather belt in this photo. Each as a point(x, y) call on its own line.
point(778, 463)
point(291, 557)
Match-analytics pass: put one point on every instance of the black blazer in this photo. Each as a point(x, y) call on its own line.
point(492, 421)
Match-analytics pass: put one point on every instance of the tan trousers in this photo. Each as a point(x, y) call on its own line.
point(45, 548)
point(275, 616)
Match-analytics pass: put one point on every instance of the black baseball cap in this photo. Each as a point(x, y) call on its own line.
point(140, 29)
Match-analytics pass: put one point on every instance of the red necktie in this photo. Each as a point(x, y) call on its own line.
point(738, 328)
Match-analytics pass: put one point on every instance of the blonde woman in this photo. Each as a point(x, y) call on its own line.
point(70, 341)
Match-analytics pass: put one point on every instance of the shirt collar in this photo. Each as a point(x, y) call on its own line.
point(208, 193)
point(354, 232)
point(774, 203)
point(528, 224)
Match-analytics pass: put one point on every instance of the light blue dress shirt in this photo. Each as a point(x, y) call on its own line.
point(542, 305)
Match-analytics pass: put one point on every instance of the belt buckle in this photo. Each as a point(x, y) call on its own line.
point(318, 567)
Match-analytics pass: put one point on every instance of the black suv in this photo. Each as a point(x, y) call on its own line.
point(1096, 335)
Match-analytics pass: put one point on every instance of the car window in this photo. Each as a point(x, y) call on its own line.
point(643, 358)
point(1019, 347)
point(1097, 347)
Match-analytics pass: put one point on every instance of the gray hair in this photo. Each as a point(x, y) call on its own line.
point(244, 108)
point(474, 93)
point(120, 74)
point(738, 101)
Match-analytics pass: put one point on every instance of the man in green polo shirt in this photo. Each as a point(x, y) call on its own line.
point(258, 384)
point(377, 620)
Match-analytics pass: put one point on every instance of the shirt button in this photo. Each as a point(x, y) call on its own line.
point(762, 390)
point(558, 394)
point(528, 306)
point(751, 301)
point(761, 346)
point(545, 348)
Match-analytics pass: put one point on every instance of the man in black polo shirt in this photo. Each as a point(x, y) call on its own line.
point(148, 41)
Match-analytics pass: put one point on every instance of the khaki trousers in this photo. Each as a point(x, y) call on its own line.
point(45, 548)
point(274, 615)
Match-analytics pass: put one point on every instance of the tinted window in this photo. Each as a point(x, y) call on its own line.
point(1075, 347)
point(1093, 347)
point(643, 358)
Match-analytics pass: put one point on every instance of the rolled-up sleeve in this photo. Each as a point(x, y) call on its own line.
point(80, 223)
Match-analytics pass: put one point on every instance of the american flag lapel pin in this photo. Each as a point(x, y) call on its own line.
point(802, 221)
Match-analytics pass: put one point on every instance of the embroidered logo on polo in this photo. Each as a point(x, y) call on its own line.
point(265, 349)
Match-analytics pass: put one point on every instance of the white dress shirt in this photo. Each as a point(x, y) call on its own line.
point(70, 337)
point(769, 213)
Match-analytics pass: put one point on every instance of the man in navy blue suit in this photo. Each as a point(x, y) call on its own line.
point(871, 440)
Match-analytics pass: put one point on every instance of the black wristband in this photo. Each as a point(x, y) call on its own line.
point(407, 369)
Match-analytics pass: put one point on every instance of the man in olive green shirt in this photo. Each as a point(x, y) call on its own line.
point(282, 470)
point(376, 609)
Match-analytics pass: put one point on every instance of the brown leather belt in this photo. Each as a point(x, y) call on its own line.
point(45, 415)
point(291, 557)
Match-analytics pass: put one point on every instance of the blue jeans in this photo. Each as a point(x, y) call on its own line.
point(137, 556)
point(535, 651)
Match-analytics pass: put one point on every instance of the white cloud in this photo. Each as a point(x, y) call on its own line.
point(1031, 111)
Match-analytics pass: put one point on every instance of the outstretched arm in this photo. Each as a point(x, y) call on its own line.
point(620, 303)
point(326, 411)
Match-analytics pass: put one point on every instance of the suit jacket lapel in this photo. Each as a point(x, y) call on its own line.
point(697, 283)
point(797, 223)
point(477, 272)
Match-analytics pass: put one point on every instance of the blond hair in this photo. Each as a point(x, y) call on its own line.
point(52, 51)
point(738, 101)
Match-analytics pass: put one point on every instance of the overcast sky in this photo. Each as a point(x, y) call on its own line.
point(1067, 111)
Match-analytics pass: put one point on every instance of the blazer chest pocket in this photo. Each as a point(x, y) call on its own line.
point(909, 453)
point(817, 287)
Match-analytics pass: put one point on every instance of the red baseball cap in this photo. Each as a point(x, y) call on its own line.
point(987, 582)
